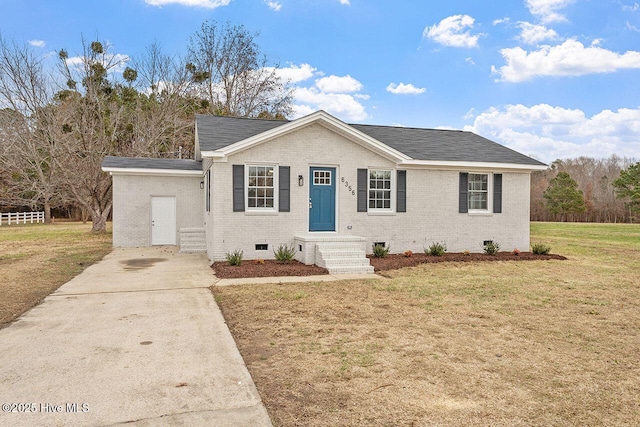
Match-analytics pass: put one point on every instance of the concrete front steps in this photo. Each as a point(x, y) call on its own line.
point(193, 241)
point(345, 255)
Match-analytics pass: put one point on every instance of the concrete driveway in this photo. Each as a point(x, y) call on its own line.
point(135, 339)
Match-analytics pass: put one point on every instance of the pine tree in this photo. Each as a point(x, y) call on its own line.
point(627, 186)
point(563, 196)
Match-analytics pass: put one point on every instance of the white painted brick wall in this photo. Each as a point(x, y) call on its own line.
point(132, 205)
point(432, 202)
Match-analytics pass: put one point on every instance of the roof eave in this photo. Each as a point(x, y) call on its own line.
point(443, 164)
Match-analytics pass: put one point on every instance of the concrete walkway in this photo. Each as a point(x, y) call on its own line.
point(135, 339)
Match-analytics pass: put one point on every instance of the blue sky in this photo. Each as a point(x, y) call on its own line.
point(549, 78)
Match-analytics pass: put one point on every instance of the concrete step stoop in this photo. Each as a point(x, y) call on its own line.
point(347, 256)
point(193, 240)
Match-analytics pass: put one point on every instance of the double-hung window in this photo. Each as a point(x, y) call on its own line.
point(480, 193)
point(478, 186)
point(380, 190)
point(261, 185)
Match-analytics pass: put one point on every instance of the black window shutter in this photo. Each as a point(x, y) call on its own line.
point(401, 192)
point(463, 204)
point(284, 180)
point(362, 190)
point(497, 193)
point(238, 188)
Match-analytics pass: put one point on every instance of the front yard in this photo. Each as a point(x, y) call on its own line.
point(501, 343)
point(36, 259)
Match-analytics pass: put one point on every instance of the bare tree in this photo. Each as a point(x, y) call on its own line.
point(27, 147)
point(93, 124)
point(234, 76)
point(164, 116)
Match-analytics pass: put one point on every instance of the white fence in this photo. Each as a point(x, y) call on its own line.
point(21, 217)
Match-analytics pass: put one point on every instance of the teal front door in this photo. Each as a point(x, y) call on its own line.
point(322, 199)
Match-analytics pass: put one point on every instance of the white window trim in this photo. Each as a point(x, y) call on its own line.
point(276, 189)
point(489, 209)
point(392, 205)
point(331, 177)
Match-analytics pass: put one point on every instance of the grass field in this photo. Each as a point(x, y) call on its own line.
point(35, 259)
point(500, 344)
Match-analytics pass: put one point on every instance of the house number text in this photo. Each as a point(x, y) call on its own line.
point(346, 184)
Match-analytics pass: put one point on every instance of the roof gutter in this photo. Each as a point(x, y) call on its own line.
point(154, 172)
point(442, 164)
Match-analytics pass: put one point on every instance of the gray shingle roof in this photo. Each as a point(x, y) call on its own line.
point(420, 144)
point(149, 163)
point(215, 132)
point(444, 145)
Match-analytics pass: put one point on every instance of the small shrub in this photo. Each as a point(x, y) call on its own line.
point(490, 247)
point(285, 253)
point(515, 252)
point(235, 257)
point(466, 253)
point(436, 249)
point(408, 253)
point(380, 251)
point(540, 249)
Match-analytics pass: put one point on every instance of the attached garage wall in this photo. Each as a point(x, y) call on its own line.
point(132, 205)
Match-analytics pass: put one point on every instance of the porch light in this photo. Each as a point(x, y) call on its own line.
point(202, 185)
point(300, 180)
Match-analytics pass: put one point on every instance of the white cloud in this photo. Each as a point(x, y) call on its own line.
point(570, 58)
point(548, 133)
point(301, 110)
point(470, 114)
point(633, 8)
point(501, 21)
point(632, 27)
point(345, 2)
point(296, 73)
point(470, 60)
point(453, 31)
point(342, 105)
point(209, 4)
point(534, 34)
point(337, 84)
point(548, 10)
point(274, 5)
point(405, 89)
point(337, 95)
point(37, 43)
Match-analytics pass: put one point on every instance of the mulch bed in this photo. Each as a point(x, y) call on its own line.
point(268, 268)
point(396, 261)
point(272, 268)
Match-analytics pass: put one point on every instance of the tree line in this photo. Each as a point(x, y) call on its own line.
point(588, 190)
point(58, 123)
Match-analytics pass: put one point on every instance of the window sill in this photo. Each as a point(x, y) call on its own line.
point(480, 213)
point(381, 213)
point(261, 213)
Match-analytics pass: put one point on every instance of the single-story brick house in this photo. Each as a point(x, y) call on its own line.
point(329, 188)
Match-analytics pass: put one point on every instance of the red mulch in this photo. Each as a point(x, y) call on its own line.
point(272, 268)
point(268, 268)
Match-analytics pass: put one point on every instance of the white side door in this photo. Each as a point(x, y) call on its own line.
point(163, 220)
